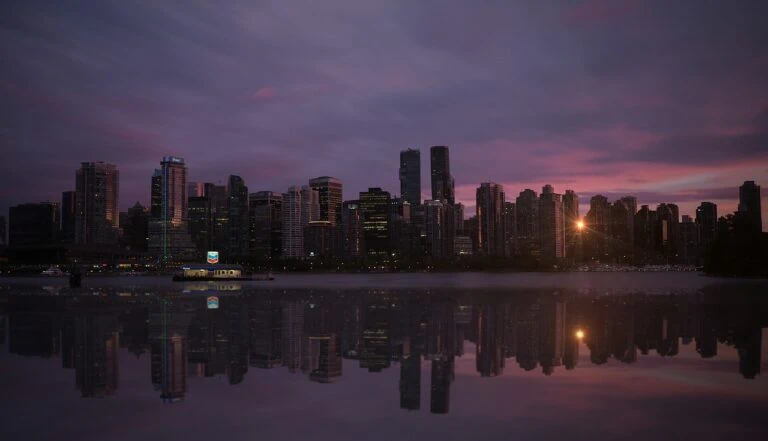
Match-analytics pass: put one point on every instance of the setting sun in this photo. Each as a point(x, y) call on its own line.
point(580, 225)
point(579, 334)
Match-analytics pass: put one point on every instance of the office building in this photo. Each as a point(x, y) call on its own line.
point(572, 217)
point(434, 228)
point(237, 208)
point(97, 202)
point(195, 189)
point(490, 219)
point(410, 176)
point(442, 181)
point(596, 234)
point(310, 205)
point(136, 228)
point(199, 218)
point(510, 229)
point(462, 246)
point(265, 224)
point(68, 216)
point(352, 229)
point(168, 229)
point(292, 233)
point(689, 242)
point(3, 233)
point(527, 211)
point(33, 224)
point(706, 219)
point(551, 224)
point(318, 237)
point(374, 208)
point(330, 194)
point(218, 199)
point(749, 205)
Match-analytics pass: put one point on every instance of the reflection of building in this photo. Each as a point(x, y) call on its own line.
point(410, 377)
point(325, 361)
point(292, 335)
point(442, 376)
point(96, 354)
point(490, 322)
point(375, 354)
point(265, 330)
point(551, 335)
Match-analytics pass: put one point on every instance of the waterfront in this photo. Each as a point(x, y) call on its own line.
point(410, 356)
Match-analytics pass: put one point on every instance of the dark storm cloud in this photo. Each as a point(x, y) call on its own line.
point(278, 92)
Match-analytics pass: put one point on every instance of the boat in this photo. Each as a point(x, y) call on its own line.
point(54, 271)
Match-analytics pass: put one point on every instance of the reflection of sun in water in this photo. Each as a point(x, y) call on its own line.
point(579, 334)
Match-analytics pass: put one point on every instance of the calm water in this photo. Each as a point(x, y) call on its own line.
point(382, 357)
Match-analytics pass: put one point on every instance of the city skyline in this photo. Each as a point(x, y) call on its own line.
point(674, 116)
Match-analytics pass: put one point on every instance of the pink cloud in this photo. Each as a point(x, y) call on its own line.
point(266, 93)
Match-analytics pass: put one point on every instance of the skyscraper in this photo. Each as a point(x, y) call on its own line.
point(551, 224)
point(689, 242)
point(266, 224)
point(3, 233)
point(434, 216)
point(195, 189)
point(442, 181)
point(510, 229)
point(68, 216)
point(374, 208)
point(199, 217)
point(490, 219)
point(749, 204)
point(97, 216)
point(527, 205)
point(330, 194)
point(352, 229)
point(310, 205)
point(237, 207)
point(597, 227)
point(410, 176)
point(292, 233)
point(706, 218)
point(168, 232)
point(630, 203)
point(136, 228)
point(572, 217)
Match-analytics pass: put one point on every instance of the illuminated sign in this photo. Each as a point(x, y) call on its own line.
point(213, 302)
point(213, 257)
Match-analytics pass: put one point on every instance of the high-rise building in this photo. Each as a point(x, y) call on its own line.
point(458, 216)
point(434, 217)
point(374, 207)
point(621, 232)
point(330, 194)
point(237, 207)
point(596, 233)
point(510, 229)
point(630, 203)
point(97, 203)
point(572, 217)
point(3, 233)
point(68, 216)
point(219, 211)
point(310, 205)
point(266, 224)
point(199, 216)
point(33, 224)
point(317, 239)
point(668, 231)
point(195, 189)
point(410, 176)
point(168, 232)
point(706, 218)
point(689, 242)
point(645, 235)
point(490, 219)
point(749, 204)
point(136, 228)
point(352, 229)
point(442, 181)
point(551, 224)
point(292, 233)
point(527, 207)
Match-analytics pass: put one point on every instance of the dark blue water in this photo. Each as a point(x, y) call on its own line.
point(337, 357)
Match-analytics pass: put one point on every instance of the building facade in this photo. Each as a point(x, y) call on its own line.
point(410, 176)
point(97, 202)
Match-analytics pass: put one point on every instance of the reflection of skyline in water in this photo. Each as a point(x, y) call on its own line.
point(309, 333)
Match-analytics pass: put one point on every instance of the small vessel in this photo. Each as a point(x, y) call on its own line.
point(54, 271)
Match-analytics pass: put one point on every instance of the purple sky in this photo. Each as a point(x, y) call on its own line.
point(665, 100)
